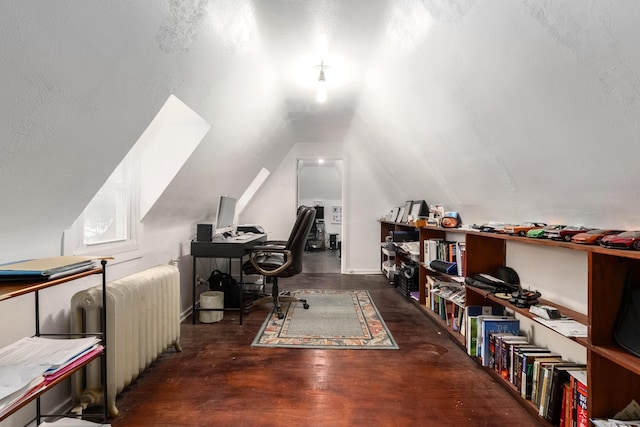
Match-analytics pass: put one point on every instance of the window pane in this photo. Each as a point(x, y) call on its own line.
point(106, 217)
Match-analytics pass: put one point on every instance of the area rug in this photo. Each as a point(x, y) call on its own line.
point(336, 319)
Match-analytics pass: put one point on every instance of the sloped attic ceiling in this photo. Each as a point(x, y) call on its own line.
point(513, 110)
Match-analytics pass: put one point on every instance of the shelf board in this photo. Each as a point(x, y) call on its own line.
point(527, 404)
point(14, 288)
point(40, 390)
point(401, 224)
point(546, 242)
point(577, 316)
point(619, 356)
point(460, 340)
point(457, 336)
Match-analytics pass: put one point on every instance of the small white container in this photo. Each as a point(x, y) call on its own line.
point(211, 299)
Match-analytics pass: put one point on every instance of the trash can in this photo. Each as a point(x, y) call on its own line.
point(211, 299)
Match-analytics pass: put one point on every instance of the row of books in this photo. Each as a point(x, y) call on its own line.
point(557, 387)
point(446, 297)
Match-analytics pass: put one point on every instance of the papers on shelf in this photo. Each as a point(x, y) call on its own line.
point(16, 381)
point(565, 326)
point(46, 268)
point(32, 362)
point(630, 412)
point(45, 351)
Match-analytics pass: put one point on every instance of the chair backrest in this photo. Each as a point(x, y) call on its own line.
point(298, 238)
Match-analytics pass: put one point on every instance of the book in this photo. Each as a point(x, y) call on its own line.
point(517, 361)
point(505, 351)
point(559, 377)
point(471, 313)
point(495, 341)
point(579, 403)
point(528, 359)
point(548, 374)
point(479, 331)
point(431, 250)
point(565, 415)
point(541, 393)
point(514, 349)
point(490, 325)
point(537, 378)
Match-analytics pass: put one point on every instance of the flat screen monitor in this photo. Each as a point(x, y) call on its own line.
point(226, 215)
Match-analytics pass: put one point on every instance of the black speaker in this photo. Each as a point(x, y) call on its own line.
point(205, 232)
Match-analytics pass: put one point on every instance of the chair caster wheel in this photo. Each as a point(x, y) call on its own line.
point(280, 315)
point(305, 306)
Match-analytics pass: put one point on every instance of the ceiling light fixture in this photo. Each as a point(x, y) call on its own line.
point(321, 93)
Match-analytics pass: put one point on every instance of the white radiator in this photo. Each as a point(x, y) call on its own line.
point(143, 320)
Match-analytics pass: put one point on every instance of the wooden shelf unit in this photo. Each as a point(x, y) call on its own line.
point(18, 288)
point(613, 373)
point(386, 228)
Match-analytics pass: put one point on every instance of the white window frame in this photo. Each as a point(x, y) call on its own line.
point(127, 247)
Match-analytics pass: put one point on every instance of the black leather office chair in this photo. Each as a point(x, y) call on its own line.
point(276, 260)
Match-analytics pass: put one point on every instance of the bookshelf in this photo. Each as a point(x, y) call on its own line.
point(13, 289)
point(613, 373)
point(386, 229)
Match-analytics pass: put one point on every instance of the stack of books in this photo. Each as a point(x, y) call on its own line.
point(46, 268)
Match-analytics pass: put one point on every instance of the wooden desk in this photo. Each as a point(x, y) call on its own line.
point(222, 249)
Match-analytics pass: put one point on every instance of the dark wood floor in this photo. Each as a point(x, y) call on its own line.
point(220, 380)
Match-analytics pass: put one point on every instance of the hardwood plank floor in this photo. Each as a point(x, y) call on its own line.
point(219, 379)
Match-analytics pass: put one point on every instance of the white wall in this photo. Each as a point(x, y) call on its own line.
point(275, 206)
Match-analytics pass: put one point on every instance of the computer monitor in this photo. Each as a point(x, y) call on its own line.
point(226, 214)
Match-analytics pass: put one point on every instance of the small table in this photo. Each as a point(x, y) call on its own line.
point(231, 248)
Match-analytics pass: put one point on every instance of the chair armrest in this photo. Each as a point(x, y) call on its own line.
point(276, 249)
point(256, 250)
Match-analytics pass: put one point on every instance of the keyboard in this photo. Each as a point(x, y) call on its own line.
point(245, 236)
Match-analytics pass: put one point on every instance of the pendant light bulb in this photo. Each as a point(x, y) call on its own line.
point(321, 94)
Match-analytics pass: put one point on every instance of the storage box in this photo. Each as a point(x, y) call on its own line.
point(406, 279)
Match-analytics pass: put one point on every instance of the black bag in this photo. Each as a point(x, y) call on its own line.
point(627, 332)
point(506, 282)
point(219, 281)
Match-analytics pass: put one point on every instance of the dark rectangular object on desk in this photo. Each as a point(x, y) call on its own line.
point(226, 248)
point(405, 236)
point(205, 232)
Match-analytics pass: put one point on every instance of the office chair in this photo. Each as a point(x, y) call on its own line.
point(276, 260)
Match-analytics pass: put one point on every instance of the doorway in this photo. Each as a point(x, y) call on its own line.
point(320, 185)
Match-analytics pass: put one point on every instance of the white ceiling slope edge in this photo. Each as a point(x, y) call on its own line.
point(502, 110)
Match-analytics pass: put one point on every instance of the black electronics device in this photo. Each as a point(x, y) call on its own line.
point(405, 236)
point(444, 266)
point(204, 232)
point(524, 298)
point(494, 284)
point(250, 228)
point(406, 278)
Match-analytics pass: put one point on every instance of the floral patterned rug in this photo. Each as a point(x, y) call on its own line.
point(336, 319)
